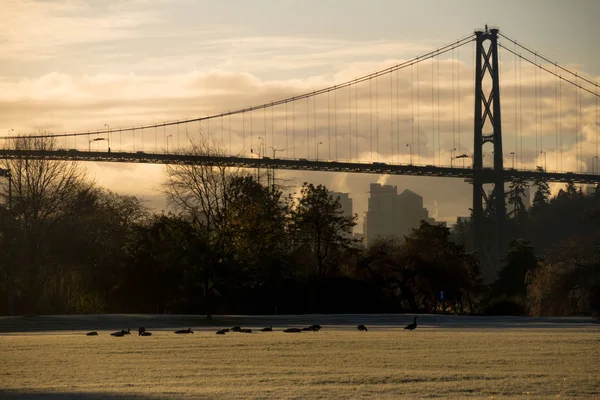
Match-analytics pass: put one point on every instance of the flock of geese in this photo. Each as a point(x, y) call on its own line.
point(314, 328)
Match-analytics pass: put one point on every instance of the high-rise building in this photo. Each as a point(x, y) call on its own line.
point(393, 214)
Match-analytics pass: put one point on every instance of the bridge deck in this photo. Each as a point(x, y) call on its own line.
point(486, 174)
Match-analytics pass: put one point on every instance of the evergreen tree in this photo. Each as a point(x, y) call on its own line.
point(515, 196)
point(571, 190)
point(542, 193)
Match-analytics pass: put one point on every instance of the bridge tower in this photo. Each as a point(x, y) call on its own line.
point(488, 239)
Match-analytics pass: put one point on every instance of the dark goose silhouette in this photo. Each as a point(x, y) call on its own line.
point(141, 330)
point(268, 329)
point(412, 326)
point(146, 333)
point(120, 333)
point(236, 329)
point(126, 332)
point(184, 331)
point(222, 331)
point(246, 331)
point(361, 328)
point(91, 334)
point(315, 328)
point(293, 330)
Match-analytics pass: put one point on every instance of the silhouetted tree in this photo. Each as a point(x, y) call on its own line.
point(318, 224)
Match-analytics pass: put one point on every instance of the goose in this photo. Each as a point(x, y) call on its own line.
point(146, 333)
point(183, 331)
point(91, 334)
point(120, 333)
point(141, 330)
point(412, 326)
point(268, 329)
point(126, 332)
point(292, 330)
point(222, 331)
point(236, 329)
point(246, 331)
point(315, 328)
point(361, 328)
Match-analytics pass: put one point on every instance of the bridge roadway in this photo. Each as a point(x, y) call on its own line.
point(486, 174)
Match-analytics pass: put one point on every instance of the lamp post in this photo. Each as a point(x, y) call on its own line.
point(108, 127)
point(512, 153)
point(410, 149)
point(5, 173)
point(594, 160)
point(168, 136)
point(273, 170)
point(320, 143)
point(545, 159)
point(452, 157)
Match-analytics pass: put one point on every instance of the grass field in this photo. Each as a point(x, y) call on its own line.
point(491, 360)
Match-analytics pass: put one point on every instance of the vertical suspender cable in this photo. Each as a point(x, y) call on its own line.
point(556, 116)
point(397, 118)
point(596, 90)
point(432, 113)
point(377, 113)
point(412, 103)
point(329, 124)
point(453, 106)
point(350, 123)
point(392, 116)
point(560, 119)
point(307, 131)
point(287, 148)
point(356, 119)
point(459, 101)
point(535, 88)
point(371, 119)
point(293, 129)
point(335, 122)
point(418, 109)
point(515, 99)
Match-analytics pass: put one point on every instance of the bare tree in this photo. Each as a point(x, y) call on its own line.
point(200, 191)
point(40, 190)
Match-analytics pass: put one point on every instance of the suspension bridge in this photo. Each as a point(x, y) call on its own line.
point(431, 115)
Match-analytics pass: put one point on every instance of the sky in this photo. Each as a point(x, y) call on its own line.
point(75, 65)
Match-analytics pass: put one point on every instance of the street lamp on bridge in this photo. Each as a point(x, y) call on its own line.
point(320, 143)
point(545, 159)
point(452, 157)
point(410, 149)
point(108, 127)
point(512, 153)
point(594, 160)
point(168, 136)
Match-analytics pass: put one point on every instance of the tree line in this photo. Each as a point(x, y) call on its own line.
point(235, 242)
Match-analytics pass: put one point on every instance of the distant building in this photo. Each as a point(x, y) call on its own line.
point(393, 214)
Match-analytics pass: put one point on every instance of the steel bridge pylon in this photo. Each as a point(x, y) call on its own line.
point(489, 242)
